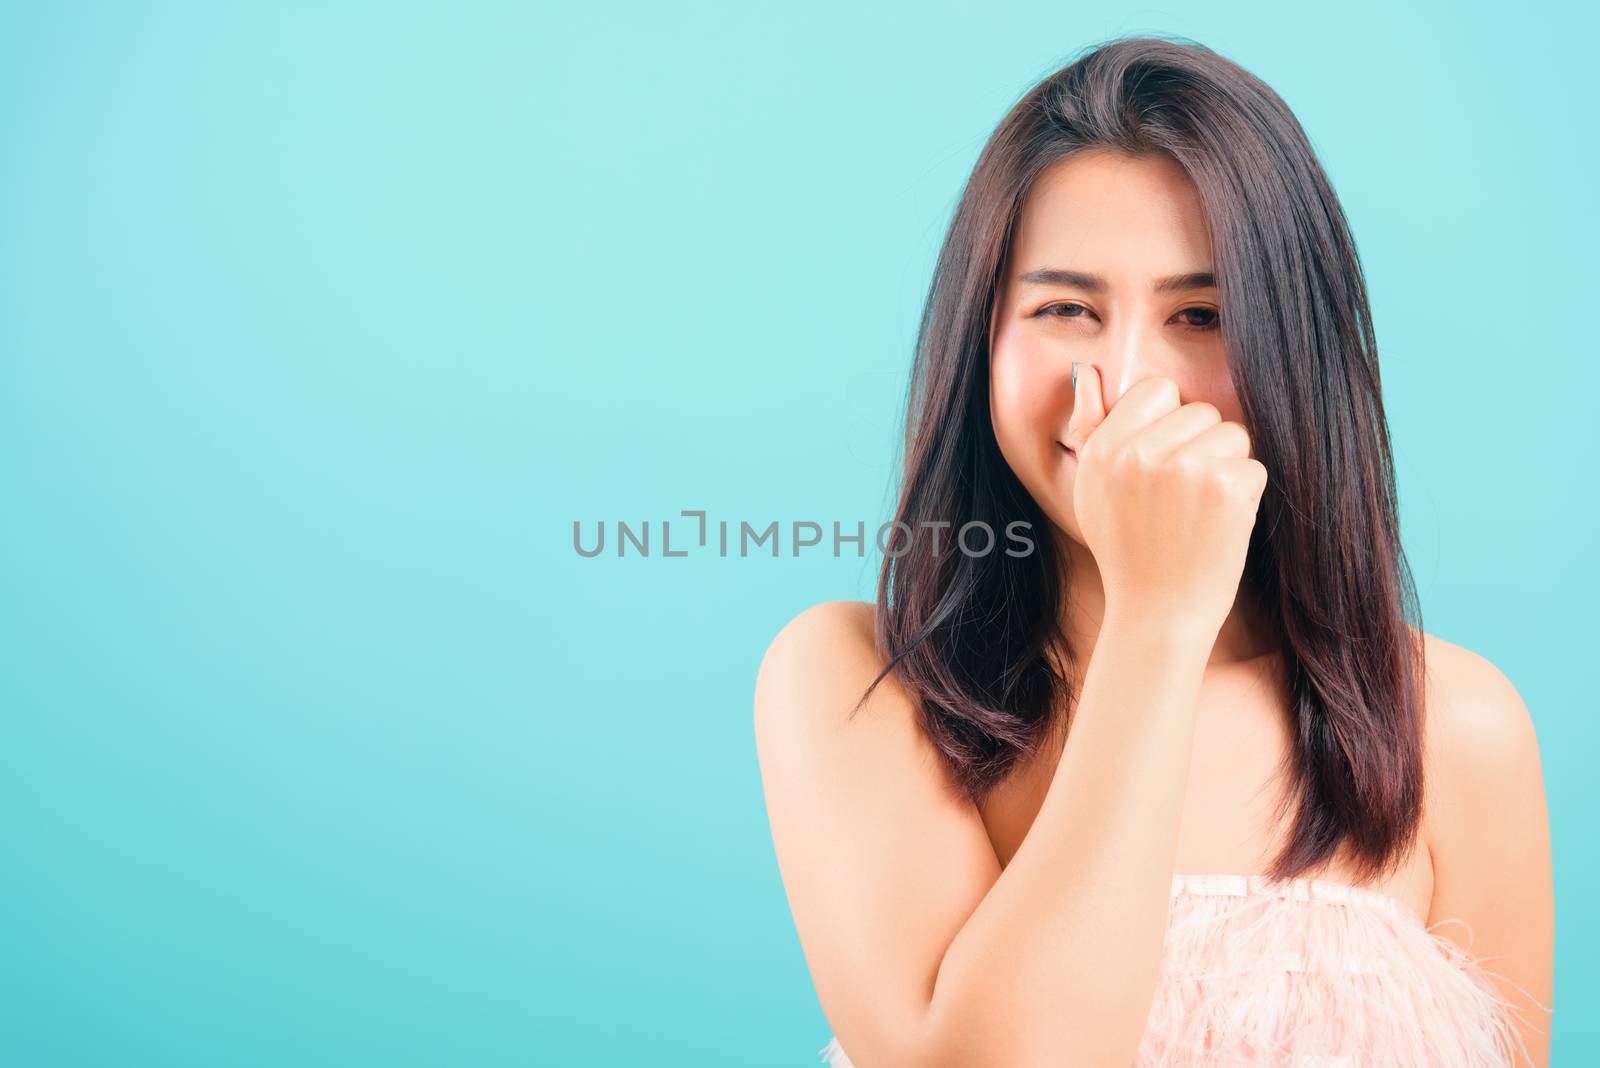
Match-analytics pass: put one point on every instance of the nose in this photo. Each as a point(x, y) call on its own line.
point(1130, 352)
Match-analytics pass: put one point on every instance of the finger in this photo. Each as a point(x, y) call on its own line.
point(1251, 476)
point(1178, 428)
point(1140, 405)
point(1088, 405)
point(1222, 440)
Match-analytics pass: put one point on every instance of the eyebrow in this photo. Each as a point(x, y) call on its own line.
point(1093, 283)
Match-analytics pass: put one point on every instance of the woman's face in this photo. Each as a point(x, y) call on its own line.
point(1099, 232)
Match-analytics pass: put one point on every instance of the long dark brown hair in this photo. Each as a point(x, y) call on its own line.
point(977, 638)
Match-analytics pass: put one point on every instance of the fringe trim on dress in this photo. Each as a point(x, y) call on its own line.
point(1312, 973)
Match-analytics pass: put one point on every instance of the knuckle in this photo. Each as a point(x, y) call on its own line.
point(1141, 457)
point(1246, 482)
point(1160, 390)
point(1165, 390)
point(1228, 439)
point(1218, 484)
point(1188, 465)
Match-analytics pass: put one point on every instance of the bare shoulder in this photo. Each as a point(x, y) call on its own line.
point(832, 640)
point(811, 722)
point(1481, 745)
point(1479, 730)
point(1488, 833)
point(862, 811)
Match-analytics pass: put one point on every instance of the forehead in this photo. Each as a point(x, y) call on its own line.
point(1110, 213)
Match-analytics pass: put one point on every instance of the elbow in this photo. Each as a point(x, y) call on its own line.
point(1068, 1040)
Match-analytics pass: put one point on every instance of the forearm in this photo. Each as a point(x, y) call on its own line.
point(1058, 963)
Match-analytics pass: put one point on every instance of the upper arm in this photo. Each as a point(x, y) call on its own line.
point(1489, 832)
point(881, 858)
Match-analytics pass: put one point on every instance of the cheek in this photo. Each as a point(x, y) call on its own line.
point(1217, 388)
point(1030, 402)
point(1030, 393)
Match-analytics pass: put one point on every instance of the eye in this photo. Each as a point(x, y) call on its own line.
point(1049, 311)
point(1196, 318)
point(1209, 318)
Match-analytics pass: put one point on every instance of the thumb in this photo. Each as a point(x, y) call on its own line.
point(1088, 405)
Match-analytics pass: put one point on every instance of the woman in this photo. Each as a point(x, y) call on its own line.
point(1182, 785)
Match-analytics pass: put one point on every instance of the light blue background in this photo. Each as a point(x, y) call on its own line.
point(321, 324)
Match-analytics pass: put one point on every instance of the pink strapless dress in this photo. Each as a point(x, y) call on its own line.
point(1311, 973)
